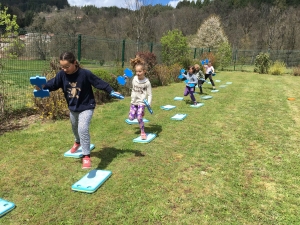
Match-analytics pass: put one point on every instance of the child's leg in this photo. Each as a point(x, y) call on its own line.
point(132, 112)
point(140, 114)
point(200, 82)
point(84, 120)
point(186, 91)
point(74, 122)
point(192, 94)
point(211, 80)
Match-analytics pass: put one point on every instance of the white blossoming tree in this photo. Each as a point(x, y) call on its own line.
point(209, 35)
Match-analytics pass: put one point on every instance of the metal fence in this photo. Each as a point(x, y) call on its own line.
point(30, 54)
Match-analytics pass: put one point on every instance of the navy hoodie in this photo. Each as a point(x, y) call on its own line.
point(77, 88)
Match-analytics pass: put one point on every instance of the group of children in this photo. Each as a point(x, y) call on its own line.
point(194, 76)
point(77, 84)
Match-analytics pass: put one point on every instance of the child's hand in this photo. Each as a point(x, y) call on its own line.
point(36, 87)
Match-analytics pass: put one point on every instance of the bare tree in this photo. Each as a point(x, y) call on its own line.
point(139, 16)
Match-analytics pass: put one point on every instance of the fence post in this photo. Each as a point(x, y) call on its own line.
point(151, 47)
point(195, 51)
point(123, 53)
point(235, 53)
point(79, 47)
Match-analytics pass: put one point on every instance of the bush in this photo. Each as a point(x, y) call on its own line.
point(149, 58)
point(278, 68)
point(174, 47)
point(296, 71)
point(166, 74)
point(262, 63)
point(185, 63)
point(102, 96)
point(224, 55)
point(211, 57)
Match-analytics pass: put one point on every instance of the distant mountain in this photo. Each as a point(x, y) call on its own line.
point(34, 5)
point(26, 9)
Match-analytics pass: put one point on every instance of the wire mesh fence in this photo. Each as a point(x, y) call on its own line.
point(29, 55)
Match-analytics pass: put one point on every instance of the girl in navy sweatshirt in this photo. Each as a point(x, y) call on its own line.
point(76, 84)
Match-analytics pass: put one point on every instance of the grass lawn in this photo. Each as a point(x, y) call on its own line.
point(233, 161)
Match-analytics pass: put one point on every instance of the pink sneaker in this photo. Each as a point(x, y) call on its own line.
point(143, 136)
point(86, 162)
point(75, 147)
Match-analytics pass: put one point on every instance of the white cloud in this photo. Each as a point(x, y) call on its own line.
point(97, 3)
point(173, 3)
point(118, 3)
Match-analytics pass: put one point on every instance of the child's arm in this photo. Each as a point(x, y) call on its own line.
point(54, 83)
point(99, 83)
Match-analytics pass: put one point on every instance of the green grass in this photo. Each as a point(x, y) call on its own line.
point(233, 161)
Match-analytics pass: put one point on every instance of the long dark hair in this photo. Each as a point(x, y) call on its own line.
point(70, 57)
point(193, 68)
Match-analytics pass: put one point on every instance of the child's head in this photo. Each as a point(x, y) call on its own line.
point(197, 67)
point(68, 62)
point(191, 69)
point(139, 66)
point(209, 63)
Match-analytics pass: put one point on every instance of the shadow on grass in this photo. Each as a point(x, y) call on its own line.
point(17, 120)
point(108, 154)
point(153, 128)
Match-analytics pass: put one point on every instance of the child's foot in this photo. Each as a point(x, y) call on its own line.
point(214, 88)
point(143, 136)
point(86, 162)
point(195, 103)
point(75, 147)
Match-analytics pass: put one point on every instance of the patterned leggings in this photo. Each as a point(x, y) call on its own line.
point(80, 126)
point(137, 111)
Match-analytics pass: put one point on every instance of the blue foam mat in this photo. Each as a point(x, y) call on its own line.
point(135, 121)
point(222, 86)
point(218, 80)
point(168, 107)
point(77, 154)
point(91, 181)
point(179, 116)
point(206, 97)
point(198, 105)
point(214, 91)
point(150, 137)
point(178, 98)
point(5, 207)
point(228, 82)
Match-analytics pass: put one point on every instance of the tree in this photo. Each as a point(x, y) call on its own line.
point(224, 55)
point(174, 47)
point(8, 23)
point(139, 17)
point(8, 40)
point(210, 34)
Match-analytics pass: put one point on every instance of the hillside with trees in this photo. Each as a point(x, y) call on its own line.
point(247, 24)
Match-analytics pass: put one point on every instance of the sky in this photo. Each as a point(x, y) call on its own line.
point(119, 3)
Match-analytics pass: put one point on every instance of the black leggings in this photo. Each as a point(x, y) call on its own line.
point(210, 78)
point(200, 82)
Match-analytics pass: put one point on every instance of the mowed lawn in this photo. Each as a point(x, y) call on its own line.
point(233, 161)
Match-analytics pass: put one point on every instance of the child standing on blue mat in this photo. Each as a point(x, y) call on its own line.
point(191, 81)
point(76, 84)
point(209, 71)
point(141, 89)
